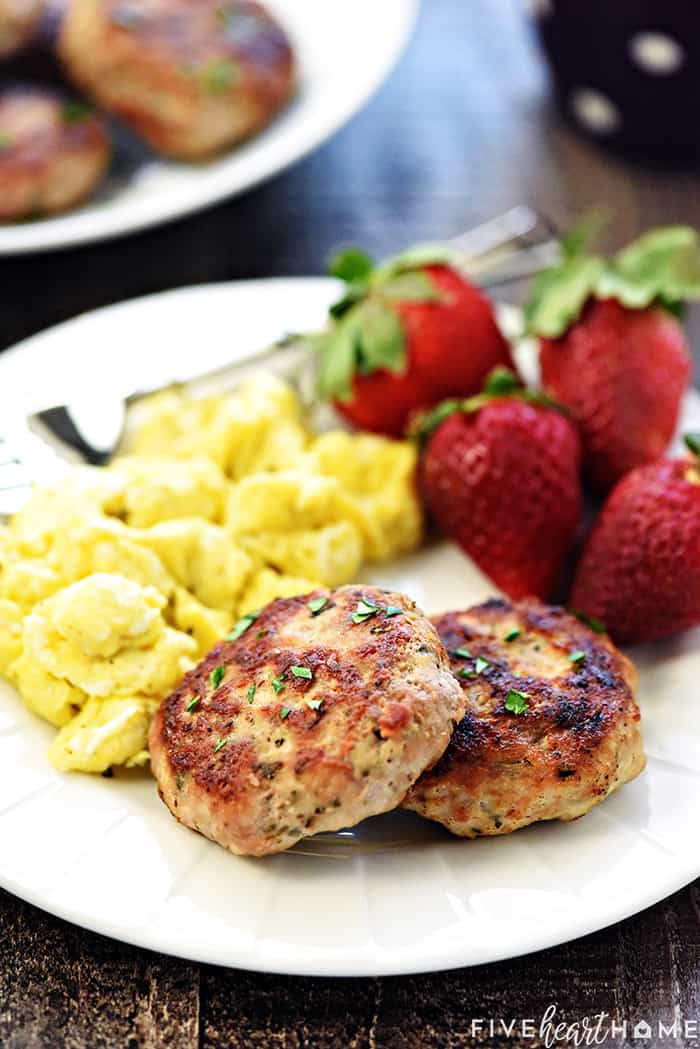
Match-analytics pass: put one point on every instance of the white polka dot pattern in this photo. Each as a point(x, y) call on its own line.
point(597, 113)
point(656, 53)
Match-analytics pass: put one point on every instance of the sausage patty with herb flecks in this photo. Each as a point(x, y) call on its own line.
point(192, 78)
point(54, 152)
point(320, 712)
point(551, 727)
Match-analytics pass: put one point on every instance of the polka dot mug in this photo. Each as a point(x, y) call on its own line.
point(627, 72)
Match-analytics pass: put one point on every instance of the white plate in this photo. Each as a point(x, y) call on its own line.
point(344, 51)
point(396, 896)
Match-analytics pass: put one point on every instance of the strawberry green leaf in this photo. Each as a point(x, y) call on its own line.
point(337, 359)
point(400, 279)
point(355, 267)
point(354, 293)
point(692, 442)
point(581, 236)
point(662, 264)
point(369, 337)
point(559, 294)
point(415, 286)
point(416, 258)
point(351, 265)
point(424, 425)
point(501, 381)
point(381, 341)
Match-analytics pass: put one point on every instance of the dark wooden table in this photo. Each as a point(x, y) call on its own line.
point(463, 130)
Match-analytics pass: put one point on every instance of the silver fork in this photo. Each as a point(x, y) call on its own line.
point(40, 447)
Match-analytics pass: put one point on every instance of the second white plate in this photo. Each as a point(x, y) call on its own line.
point(344, 51)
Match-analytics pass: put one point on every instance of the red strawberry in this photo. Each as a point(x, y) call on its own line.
point(500, 476)
point(622, 373)
point(406, 336)
point(640, 568)
point(612, 351)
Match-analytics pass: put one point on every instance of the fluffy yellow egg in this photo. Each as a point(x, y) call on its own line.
point(104, 733)
point(202, 558)
point(268, 585)
point(11, 617)
point(127, 648)
point(117, 580)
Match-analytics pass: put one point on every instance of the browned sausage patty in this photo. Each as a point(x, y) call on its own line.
point(53, 152)
point(324, 711)
point(551, 727)
point(18, 21)
point(192, 77)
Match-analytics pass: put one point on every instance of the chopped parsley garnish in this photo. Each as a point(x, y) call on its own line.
point(278, 683)
point(217, 675)
point(221, 744)
point(364, 611)
point(241, 626)
point(517, 702)
point(513, 634)
point(285, 712)
point(302, 672)
point(192, 705)
point(463, 653)
point(315, 704)
point(577, 657)
point(5, 140)
point(466, 673)
point(481, 664)
point(317, 605)
point(75, 112)
point(220, 74)
point(251, 693)
point(597, 625)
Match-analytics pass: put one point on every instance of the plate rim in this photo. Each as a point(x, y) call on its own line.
point(571, 925)
point(52, 234)
point(451, 960)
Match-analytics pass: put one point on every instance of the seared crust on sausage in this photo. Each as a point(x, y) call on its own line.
point(269, 754)
point(191, 77)
point(578, 740)
point(53, 152)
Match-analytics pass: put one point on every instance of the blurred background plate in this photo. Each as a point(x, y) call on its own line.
point(344, 51)
point(395, 895)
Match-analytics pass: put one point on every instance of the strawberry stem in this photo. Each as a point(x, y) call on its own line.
point(501, 384)
point(501, 381)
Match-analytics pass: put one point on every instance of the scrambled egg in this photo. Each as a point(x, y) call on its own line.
point(116, 582)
